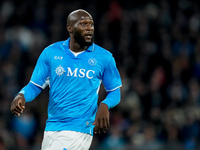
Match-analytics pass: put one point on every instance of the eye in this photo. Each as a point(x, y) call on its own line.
point(83, 24)
point(92, 24)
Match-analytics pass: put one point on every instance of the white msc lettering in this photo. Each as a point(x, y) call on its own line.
point(70, 73)
point(81, 73)
point(87, 74)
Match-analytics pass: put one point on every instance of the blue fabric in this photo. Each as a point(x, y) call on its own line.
point(74, 83)
point(30, 91)
point(112, 98)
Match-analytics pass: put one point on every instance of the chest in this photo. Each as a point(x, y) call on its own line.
point(85, 65)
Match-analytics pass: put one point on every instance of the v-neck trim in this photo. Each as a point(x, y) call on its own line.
point(76, 53)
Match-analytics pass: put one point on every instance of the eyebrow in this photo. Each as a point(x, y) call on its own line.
point(86, 20)
point(88, 17)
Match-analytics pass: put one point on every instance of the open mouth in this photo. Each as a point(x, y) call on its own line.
point(89, 36)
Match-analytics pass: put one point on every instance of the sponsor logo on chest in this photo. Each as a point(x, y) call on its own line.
point(77, 72)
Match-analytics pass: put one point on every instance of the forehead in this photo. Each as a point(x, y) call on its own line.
point(83, 16)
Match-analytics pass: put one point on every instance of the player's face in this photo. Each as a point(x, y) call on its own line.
point(84, 31)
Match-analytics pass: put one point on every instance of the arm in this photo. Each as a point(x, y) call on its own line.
point(27, 94)
point(112, 98)
point(34, 87)
point(112, 83)
point(102, 122)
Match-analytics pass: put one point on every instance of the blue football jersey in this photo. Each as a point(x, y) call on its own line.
point(74, 84)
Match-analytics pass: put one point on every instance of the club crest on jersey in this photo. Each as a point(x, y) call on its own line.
point(60, 70)
point(92, 61)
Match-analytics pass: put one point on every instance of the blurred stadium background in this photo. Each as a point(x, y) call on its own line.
point(156, 45)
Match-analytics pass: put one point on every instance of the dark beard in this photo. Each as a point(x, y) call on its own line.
point(80, 40)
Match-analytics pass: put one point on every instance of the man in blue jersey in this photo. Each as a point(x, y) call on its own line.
point(74, 70)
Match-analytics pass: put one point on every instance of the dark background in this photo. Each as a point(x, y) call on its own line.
point(156, 45)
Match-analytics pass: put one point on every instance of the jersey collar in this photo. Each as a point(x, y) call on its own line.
point(66, 44)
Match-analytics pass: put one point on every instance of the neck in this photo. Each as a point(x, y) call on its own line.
point(76, 47)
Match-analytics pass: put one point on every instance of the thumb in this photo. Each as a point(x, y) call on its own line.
point(22, 105)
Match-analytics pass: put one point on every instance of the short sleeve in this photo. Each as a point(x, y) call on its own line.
point(41, 70)
point(111, 77)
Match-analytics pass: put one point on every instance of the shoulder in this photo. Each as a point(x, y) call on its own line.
point(52, 48)
point(102, 51)
point(102, 55)
point(55, 45)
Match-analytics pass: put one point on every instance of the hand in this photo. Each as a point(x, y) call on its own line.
point(18, 105)
point(102, 123)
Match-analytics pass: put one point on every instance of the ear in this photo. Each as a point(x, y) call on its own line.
point(69, 28)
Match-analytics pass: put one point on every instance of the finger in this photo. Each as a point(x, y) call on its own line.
point(15, 113)
point(18, 109)
point(105, 126)
point(108, 123)
point(18, 114)
point(22, 109)
point(102, 125)
point(16, 106)
point(22, 106)
point(95, 128)
point(100, 122)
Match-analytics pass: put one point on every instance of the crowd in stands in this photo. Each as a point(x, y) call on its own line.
point(156, 45)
